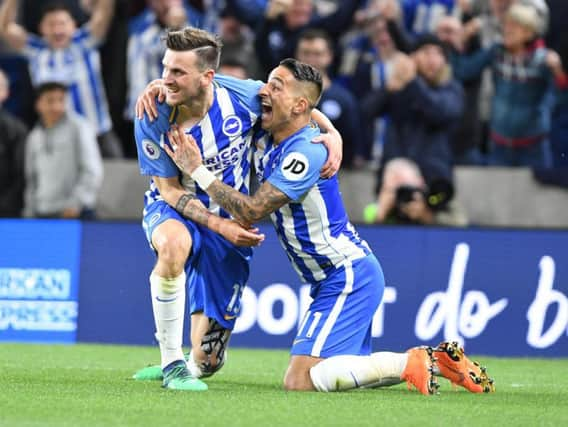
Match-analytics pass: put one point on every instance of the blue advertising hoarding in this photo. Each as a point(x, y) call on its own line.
point(39, 279)
point(501, 292)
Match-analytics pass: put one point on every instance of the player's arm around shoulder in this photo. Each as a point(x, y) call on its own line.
point(299, 167)
point(246, 91)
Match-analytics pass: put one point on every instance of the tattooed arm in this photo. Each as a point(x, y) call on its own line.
point(191, 208)
point(247, 209)
point(184, 203)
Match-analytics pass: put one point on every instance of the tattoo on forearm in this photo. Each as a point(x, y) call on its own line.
point(182, 202)
point(244, 208)
point(191, 208)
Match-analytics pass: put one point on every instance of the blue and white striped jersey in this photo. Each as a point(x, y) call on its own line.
point(145, 51)
point(79, 67)
point(224, 137)
point(313, 228)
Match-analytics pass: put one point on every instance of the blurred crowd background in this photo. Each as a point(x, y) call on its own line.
point(416, 88)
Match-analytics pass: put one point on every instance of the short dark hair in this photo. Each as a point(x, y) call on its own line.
point(48, 87)
point(429, 39)
point(306, 74)
point(56, 6)
point(316, 33)
point(206, 46)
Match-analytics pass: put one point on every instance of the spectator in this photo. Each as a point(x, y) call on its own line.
point(367, 64)
point(68, 55)
point(63, 166)
point(411, 200)
point(338, 104)
point(277, 34)
point(233, 67)
point(467, 139)
point(238, 43)
point(145, 43)
point(523, 72)
point(559, 130)
point(19, 101)
point(12, 143)
point(422, 16)
point(424, 103)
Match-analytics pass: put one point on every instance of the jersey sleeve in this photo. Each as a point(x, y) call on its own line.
point(298, 169)
point(34, 44)
point(84, 37)
point(150, 139)
point(246, 91)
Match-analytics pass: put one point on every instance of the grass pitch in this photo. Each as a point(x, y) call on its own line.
point(90, 385)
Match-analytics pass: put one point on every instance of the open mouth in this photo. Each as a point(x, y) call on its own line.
point(266, 111)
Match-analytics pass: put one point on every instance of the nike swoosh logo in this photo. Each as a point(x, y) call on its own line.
point(227, 317)
point(299, 340)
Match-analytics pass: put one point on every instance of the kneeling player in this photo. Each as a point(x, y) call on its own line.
point(332, 350)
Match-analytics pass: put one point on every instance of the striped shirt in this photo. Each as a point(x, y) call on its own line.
point(224, 137)
point(78, 67)
point(313, 228)
point(423, 16)
point(146, 49)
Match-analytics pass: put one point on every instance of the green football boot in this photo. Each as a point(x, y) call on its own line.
point(149, 373)
point(177, 377)
point(152, 372)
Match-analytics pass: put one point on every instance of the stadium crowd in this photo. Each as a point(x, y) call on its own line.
point(415, 87)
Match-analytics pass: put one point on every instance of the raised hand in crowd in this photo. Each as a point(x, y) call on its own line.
point(176, 17)
point(554, 63)
point(451, 31)
point(275, 8)
point(404, 72)
point(389, 9)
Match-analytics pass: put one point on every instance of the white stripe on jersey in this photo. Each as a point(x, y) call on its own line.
point(227, 110)
point(337, 249)
point(221, 154)
point(296, 246)
point(335, 311)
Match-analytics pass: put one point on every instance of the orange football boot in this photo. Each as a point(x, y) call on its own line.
point(419, 371)
point(454, 365)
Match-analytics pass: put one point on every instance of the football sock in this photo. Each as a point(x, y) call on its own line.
point(347, 372)
point(193, 367)
point(168, 303)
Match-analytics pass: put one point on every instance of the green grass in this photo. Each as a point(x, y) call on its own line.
point(90, 385)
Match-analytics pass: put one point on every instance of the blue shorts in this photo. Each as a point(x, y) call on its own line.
point(217, 271)
point(339, 319)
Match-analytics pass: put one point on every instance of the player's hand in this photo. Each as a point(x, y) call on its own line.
point(146, 102)
point(238, 235)
point(334, 144)
point(184, 150)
